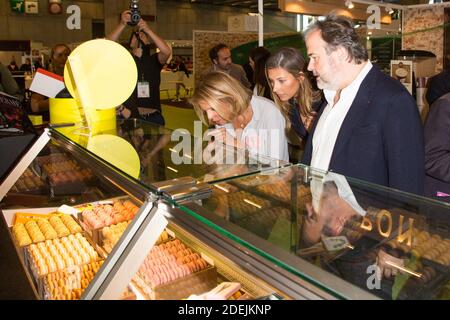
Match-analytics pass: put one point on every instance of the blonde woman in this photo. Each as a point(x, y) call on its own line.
point(243, 120)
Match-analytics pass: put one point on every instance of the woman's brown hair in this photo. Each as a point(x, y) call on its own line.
point(291, 60)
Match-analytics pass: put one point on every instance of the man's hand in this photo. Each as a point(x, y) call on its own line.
point(143, 26)
point(387, 264)
point(125, 17)
point(123, 111)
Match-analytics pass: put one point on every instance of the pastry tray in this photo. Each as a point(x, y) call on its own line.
point(181, 288)
point(38, 281)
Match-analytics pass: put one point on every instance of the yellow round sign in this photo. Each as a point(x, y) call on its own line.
point(101, 74)
point(116, 151)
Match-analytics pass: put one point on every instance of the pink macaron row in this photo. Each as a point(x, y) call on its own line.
point(105, 215)
point(170, 261)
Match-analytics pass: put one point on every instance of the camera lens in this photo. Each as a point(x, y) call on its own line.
point(135, 14)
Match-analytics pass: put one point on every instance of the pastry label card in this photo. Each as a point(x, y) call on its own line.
point(336, 243)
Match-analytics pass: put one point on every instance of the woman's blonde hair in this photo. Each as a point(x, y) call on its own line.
point(291, 60)
point(223, 93)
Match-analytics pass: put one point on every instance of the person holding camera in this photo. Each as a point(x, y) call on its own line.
point(145, 102)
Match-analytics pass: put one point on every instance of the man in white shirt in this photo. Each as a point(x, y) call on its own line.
point(369, 126)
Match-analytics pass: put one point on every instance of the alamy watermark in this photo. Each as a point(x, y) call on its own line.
point(374, 19)
point(73, 22)
point(374, 280)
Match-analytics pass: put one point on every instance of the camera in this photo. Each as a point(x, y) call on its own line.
point(135, 13)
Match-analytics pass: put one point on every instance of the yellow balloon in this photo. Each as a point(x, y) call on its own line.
point(105, 72)
point(116, 151)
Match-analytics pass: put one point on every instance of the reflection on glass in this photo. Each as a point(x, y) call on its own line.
point(391, 244)
point(165, 154)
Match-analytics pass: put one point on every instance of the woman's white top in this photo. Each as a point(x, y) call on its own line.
point(265, 134)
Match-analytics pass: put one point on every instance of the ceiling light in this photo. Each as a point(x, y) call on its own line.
point(349, 4)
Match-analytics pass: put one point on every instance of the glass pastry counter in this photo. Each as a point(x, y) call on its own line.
point(351, 238)
point(279, 231)
point(85, 228)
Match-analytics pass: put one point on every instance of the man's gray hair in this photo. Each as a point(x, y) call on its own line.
point(338, 31)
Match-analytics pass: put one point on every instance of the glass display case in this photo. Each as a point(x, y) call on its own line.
point(169, 229)
point(339, 233)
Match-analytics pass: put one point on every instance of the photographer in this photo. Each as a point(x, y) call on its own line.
point(145, 102)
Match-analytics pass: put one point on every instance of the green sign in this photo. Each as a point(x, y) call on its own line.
point(240, 54)
point(18, 6)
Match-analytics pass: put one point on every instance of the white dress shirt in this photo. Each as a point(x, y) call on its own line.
point(330, 121)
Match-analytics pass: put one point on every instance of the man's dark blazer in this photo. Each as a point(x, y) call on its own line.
point(381, 137)
point(438, 85)
point(437, 148)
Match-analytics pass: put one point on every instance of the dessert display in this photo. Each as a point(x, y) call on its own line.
point(58, 254)
point(262, 223)
point(174, 263)
point(169, 261)
point(273, 187)
point(69, 284)
point(71, 176)
point(282, 191)
point(41, 229)
point(61, 166)
point(103, 215)
point(224, 291)
point(28, 183)
point(64, 174)
point(246, 203)
point(427, 246)
point(51, 158)
point(112, 234)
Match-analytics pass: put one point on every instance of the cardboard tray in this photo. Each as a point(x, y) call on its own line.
point(45, 292)
point(96, 234)
point(181, 288)
point(37, 279)
point(16, 243)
